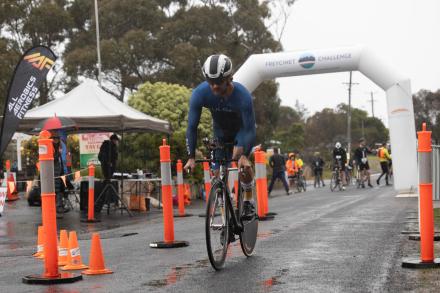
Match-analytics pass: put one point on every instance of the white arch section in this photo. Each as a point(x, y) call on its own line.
point(260, 67)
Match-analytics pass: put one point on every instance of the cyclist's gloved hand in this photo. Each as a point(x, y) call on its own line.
point(190, 165)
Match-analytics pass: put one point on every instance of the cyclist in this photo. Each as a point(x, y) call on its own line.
point(360, 158)
point(230, 104)
point(384, 159)
point(340, 159)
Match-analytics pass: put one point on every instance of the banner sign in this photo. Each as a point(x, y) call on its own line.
point(30, 72)
point(89, 145)
point(3, 193)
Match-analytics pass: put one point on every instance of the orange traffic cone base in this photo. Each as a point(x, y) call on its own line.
point(97, 272)
point(63, 278)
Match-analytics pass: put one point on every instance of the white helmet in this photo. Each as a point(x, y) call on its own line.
point(217, 67)
point(338, 145)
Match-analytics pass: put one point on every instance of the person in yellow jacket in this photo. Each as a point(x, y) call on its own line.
point(384, 158)
point(299, 162)
point(293, 165)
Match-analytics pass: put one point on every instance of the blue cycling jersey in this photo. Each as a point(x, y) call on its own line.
point(233, 116)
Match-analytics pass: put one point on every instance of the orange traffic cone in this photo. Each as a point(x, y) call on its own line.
point(63, 248)
point(74, 261)
point(12, 188)
point(97, 266)
point(40, 243)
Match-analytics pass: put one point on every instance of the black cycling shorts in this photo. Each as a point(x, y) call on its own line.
point(365, 166)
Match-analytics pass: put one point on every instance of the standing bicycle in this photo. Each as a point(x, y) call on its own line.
point(230, 104)
point(336, 180)
point(300, 181)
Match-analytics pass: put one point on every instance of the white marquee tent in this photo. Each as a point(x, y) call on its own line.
point(94, 110)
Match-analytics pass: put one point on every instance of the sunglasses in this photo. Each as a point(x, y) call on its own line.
point(217, 81)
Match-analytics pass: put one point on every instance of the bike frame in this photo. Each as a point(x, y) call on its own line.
point(223, 178)
point(237, 227)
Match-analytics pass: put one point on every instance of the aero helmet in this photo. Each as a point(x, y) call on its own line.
point(217, 67)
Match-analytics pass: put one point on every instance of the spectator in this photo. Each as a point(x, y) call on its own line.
point(317, 167)
point(58, 171)
point(277, 162)
point(108, 156)
point(384, 159)
point(361, 160)
point(292, 168)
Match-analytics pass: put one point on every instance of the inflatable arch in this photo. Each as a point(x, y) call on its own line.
point(260, 67)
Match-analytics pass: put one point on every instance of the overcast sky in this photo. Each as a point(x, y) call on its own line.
point(404, 33)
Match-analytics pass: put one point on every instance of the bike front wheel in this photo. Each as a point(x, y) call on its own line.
point(216, 226)
point(248, 236)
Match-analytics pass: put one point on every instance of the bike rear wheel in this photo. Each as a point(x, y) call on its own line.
point(304, 183)
point(216, 226)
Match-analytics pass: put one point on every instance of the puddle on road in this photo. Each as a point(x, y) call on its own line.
point(274, 280)
point(7, 235)
point(177, 273)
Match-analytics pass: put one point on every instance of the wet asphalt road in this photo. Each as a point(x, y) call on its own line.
point(319, 242)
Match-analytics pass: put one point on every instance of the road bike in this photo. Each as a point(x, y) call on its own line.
point(349, 174)
point(300, 181)
point(224, 219)
point(360, 180)
point(336, 181)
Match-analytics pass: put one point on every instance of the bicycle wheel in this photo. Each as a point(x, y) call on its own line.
point(216, 226)
point(248, 237)
point(333, 182)
point(298, 184)
point(304, 183)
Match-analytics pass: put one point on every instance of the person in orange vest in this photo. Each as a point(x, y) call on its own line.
point(291, 168)
point(384, 158)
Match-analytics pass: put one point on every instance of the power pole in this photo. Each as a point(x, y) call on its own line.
point(350, 83)
point(98, 49)
point(372, 100)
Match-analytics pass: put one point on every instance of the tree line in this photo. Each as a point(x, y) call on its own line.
point(151, 46)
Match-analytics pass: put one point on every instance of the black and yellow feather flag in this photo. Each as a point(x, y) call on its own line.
point(30, 72)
